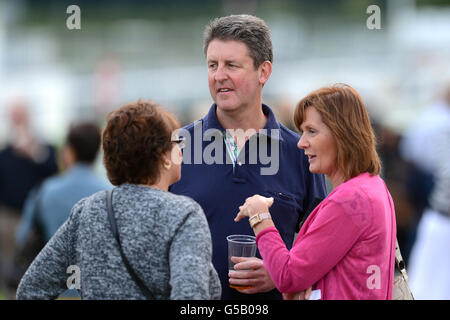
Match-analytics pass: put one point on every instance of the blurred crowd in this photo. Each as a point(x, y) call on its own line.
point(40, 182)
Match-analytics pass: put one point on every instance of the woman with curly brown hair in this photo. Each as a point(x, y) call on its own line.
point(165, 242)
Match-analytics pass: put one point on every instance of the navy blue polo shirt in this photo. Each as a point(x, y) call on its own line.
point(269, 164)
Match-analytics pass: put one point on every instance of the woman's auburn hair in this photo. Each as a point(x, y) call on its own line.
point(135, 138)
point(342, 110)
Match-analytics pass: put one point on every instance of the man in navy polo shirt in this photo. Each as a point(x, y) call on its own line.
point(239, 149)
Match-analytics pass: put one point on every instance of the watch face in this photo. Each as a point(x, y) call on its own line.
point(254, 220)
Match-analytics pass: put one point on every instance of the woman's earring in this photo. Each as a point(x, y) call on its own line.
point(168, 164)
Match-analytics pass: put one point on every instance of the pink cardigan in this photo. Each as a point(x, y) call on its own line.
point(346, 247)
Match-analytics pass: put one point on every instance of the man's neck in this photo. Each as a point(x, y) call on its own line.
point(242, 124)
point(252, 118)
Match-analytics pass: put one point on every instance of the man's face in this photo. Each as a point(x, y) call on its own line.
point(234, 83)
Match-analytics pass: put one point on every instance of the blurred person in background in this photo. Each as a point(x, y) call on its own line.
point(25, 162)
point(427, 145)
point(285, 113)
point(57, 195)
point(165, 237)
point(48, 206)
point(238, 51)
point(396, 172)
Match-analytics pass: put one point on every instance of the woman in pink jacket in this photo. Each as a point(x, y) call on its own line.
point(346, 247)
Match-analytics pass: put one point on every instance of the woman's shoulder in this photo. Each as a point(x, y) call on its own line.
point(180, 210)
point(363, 185)
point(182, 201)
point(152, 197)
point(95, 201)
point(359, 196)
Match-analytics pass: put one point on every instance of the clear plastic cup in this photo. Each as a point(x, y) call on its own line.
point(240, 246)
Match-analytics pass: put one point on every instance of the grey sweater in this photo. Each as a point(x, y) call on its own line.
point(165, 237)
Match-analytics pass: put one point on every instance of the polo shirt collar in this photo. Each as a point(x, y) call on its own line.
point(210, 121)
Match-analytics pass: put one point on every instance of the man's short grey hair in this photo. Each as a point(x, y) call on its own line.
point(248, 29)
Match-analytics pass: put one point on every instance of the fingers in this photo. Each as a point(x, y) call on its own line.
point(250, 272)
point(289, 296)
point(269, 201)
point(248, 284)
point(253, 205)
point(243, 212)
point(301, 295)
point(256, 199)
point(294, 296)
point(244, 279)
point(308, 293)
point(245, 263)
point(239, 216)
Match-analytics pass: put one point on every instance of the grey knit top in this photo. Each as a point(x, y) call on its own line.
point(165, 237)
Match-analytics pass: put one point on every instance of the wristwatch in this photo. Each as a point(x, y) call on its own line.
point(257, 218)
